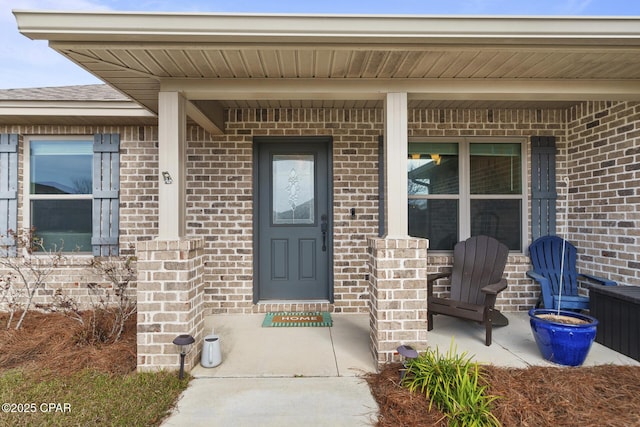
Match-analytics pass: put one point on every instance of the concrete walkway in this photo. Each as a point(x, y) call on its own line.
point(282, 376)
point(312, 376)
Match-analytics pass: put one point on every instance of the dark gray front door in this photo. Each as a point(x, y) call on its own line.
point(293, 219)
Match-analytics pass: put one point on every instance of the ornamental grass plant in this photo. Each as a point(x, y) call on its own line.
point(454, 384)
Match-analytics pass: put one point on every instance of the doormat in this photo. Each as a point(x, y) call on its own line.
point(285, 319)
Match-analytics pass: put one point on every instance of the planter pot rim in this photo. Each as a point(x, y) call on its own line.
point(592, 320)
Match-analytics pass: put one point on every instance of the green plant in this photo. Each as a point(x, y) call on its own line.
point(451, 382)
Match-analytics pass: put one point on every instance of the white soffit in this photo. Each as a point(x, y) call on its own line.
point(245, 57)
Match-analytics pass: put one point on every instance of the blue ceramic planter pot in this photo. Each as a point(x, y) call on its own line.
point(562, 343)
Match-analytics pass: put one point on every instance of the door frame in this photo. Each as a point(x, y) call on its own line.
point(257, 142)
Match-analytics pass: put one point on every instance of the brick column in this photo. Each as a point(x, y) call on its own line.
point(170, 301)
point(398, 295)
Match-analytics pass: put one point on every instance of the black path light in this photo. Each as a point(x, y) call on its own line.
point(408, 353)
point(184, 343)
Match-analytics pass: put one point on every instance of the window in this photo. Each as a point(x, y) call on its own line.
point(466, 187)
point(60, 191)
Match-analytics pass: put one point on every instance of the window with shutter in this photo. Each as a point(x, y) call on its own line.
point(72, 191)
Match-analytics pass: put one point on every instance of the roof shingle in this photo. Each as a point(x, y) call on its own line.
point(98, 92)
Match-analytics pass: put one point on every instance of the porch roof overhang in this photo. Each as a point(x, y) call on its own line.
point(261, 60)
point(71, 105)
point(74, 113)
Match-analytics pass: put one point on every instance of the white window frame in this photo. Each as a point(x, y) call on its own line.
point(464, 195)
point(28, 197)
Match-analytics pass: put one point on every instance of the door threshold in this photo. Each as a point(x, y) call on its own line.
point(289, 301)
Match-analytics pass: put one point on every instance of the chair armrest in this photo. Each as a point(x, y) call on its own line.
point(600, 280)
point(494, 288)
point(435, 276)
point(535, 276)
point(431, 278)
point(545, 288)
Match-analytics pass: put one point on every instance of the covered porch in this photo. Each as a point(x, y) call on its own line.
point(216, 82)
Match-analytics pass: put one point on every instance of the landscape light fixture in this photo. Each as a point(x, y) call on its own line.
point(408, 353)
point(183, 342)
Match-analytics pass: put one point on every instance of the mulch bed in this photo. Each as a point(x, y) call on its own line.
point(53, 344)
point(604, 395)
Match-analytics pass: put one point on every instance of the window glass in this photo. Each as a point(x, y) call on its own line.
point(433, 168)
point(61, 167)
point(447, 205)
point(293, 189)
point(60, 192)
point(63, 223)
point(495, 168)
point(499, 218)
point(435, 219)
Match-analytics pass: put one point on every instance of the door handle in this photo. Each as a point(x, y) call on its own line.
point(323, 228)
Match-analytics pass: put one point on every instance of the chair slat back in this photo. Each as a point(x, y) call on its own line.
point(477, 262)
point(546, 258)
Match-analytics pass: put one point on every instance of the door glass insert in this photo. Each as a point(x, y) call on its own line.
point(293, 189)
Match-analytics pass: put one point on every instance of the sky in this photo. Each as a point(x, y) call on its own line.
point(28, 64)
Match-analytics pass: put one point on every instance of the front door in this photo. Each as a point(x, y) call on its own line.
point(293, 219)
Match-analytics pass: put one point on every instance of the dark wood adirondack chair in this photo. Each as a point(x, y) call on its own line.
point(546, 258)
point(476, 280)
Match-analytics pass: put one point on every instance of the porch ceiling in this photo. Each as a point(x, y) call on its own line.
point(348, 60)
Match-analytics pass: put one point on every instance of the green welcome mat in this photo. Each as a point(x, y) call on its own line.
point(286, 319)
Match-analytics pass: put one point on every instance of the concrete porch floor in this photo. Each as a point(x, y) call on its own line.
point(249, 350)
point(296, 376)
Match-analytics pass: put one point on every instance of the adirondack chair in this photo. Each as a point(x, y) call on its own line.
point(546, 256)
point(476, 280)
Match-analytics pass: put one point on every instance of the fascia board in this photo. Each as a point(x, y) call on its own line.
point(280, 28)
point(62, 108)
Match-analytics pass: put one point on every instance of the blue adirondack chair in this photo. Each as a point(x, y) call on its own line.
point(546, 255)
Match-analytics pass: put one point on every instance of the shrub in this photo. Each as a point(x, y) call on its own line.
point(452, 383)
point(28, 265)
point(111, 306)
point(115, 307)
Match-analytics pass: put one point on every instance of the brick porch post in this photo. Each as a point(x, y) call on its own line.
point(398, 295)
point(170, 301)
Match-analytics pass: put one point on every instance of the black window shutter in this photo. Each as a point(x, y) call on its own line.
point(8, 187)
point(106, 194)
point(543, 186)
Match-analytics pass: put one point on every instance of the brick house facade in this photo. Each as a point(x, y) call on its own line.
point(601, 159)
point(195, 240)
